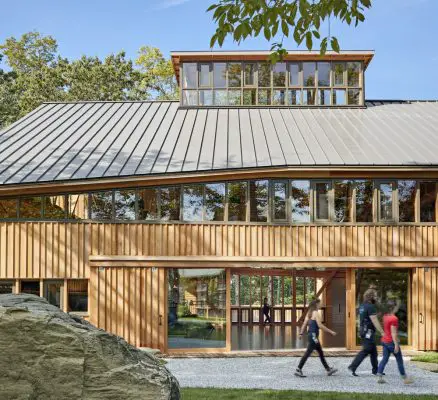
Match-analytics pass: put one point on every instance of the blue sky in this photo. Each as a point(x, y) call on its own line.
point(403, 33)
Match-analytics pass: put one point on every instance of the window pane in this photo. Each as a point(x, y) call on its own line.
point(294, 74)
point(6, 287)
point(338, 73)
point(214, 201)
point(343, 200)
point(190, 97)
point(354, 96)
point(244, 290)
point(220, 98)
point(234, 97)
point(249, 74)
point(204, 75)
point(234, 288)
point(427, 201)
point(353, 73)
point(258, 197)
point(294, 97)
point(234, 75)
point(300, 201)
point(279, 74)
point(205, 97)
point(101, 207)
point(192, 203)
point(124, 204)
point(249, 97)
point(255, 290)
point(265, 96)
point(78, 206)
point(309, 73)
point(288, 290)
point(237, 201)
point(30, 287)
point(8, 208)
point(277, 294)
point(53, 293)
point(189, 75)
point(264, 75)
point(30, 207)
point(279, 97)
point(385, 201)
point(364, 201)
point(77, 295)
point(339, 97)
point(280, 195)
point(406, 200)
point(323, 74)
point(324, 97)
point(322, 200)
point(54, 207)
point(170, 203)
point(220, 75)
point(309, 96)
point(148, 204)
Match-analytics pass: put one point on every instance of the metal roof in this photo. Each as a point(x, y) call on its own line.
point(76, 141)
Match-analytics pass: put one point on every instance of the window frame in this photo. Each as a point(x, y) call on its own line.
point(394, 200)
point(329, 200)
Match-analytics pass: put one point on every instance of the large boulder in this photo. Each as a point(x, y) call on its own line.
point(48, 354)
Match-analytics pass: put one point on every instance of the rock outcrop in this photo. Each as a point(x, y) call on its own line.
point(48, 354)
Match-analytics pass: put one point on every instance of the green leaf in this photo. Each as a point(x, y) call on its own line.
point(285, 28)
point(335, 45)
point(309, 41)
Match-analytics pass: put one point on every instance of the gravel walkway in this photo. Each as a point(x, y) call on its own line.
point(277, 373)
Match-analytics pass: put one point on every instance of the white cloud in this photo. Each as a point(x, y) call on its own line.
point(170, 3)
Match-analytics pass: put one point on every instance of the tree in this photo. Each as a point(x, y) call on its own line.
point(9, 109)
point(300, 19)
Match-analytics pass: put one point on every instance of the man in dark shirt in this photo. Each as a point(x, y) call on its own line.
point(368, 325)
point(266, 310)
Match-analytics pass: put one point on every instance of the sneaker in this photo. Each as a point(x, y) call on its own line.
point(353, 372)
point(331, 371)
point(380, 379)
point(299, 373)
point(407, 380)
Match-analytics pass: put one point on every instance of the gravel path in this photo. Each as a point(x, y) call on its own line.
point(277, 373)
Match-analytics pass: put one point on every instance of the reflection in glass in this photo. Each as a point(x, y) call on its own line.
point(220, 75)
point(77, 291)
point(300, 201)
point(339, 97)
point(309, 97)
point(265, 96)
point(386, 201)
point(234, 74)
point(124, 204)
point(6, 287)
point(192, 203)
point(280, 195)
point(354, 96)
point(55, 207)
point(279, 74)
point(206, 97)
point(78, 206)
point(8, 208)
point(343, 200)
point(196, 308)
point(324, 97)
point(189, 73)
point(279, 97)
point(364, 201)
point(407, 191)
point(294, 74)
point(309, 69)
point(30, 287)
point(249, 71)
point(294, 97)
point(322, 200)
point(323, 74)
point(310, 289)
point(249, 97)
point(300, 290)
point(234, 288)
point(101, 205)
point(255, 290)
point(427, 201)
point(244, 290)
point(53, 293)
point(277, 285)
point(234, 97)
point(258, 197)
point(264, 75)
point(170, 203)
point(220, 98)
point(30, 207)
point(214, 201)
point(288, 290)
point(204, 75)
point(353, 73)
point(148, 204)
point(237, 201)
point(338, 72)
point(190, 97)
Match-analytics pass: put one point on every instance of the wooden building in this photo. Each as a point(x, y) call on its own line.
point(169, 223)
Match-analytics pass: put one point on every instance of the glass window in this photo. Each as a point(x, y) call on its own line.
point(258, 197)
point(294, 97)
point(220, 75)
point(309, 69)
point(300, 196)
point(234, 74)
point(338, 73)
point(6, 287)
point(323, 74)
point(124, 204)
point(309, 96)
point(196, 308)
point(77, 291)
point(8, 208)
point(354, 96)
point(322, 200)
point(255, 290)
point(249, 74)
point(148, 204)
point(324, 97)
point(190, 97)
point(234, 288)
point(237, 201)
point(214, 201)
point(244, 290)
point(265, 96)
point(343, 200)
point(206, 97)
point(192, 203)
point(427, 201)
point(264, 75)
point(279, 200)
point(299, 286)
point(170, 203)
point(279, 97)
point(385, 194)
point(78, 206)
point(30, 207)
point(339, 98)
point(234, 97)
point(55, 207)
point(277, 283)
point(101, 205)
point(364, 201)
point(279, 74)
point(204, 75)
point(353, 73)
point(53, 293)
point(294, 74)
point(220, 98)
point(249, 97)
point(189, 75)
point(30, 287)
point(406, 200)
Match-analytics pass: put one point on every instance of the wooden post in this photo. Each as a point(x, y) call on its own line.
point(228, 308)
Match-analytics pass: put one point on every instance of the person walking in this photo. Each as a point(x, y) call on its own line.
point(313, 321)
point(390, 343)
point(266, 311)
point(369, 323)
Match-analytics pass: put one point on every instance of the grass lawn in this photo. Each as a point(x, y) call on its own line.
point(245, 394)
point(431, 357)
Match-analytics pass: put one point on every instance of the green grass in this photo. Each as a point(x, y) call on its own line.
point(246, 394)
point(430, 357)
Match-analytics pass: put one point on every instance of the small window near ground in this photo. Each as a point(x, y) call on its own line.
point(407, 191)
point(258, 196)
point(53, 293)
point(30, 287)
point(428, 201)
point(101, 206)
point(8, 208)
point(300, 199)
point(6, 287)
point(237, 201)
point(77, 292)
point(148, 204)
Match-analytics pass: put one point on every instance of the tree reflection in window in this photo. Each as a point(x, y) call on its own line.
point(8, 208)
point(54, 207)
point(343, 200)
point(258, 195)
point(124, 205)
point(237, 201)
point(300, 201)
point(101, 205)
point(192, 203)
point(170, 203)
point(148, 204)
point(30, 207)
point(214, 201)
point(364, 201)
point(77, 206)
point(407, 191)
point(428, 201)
